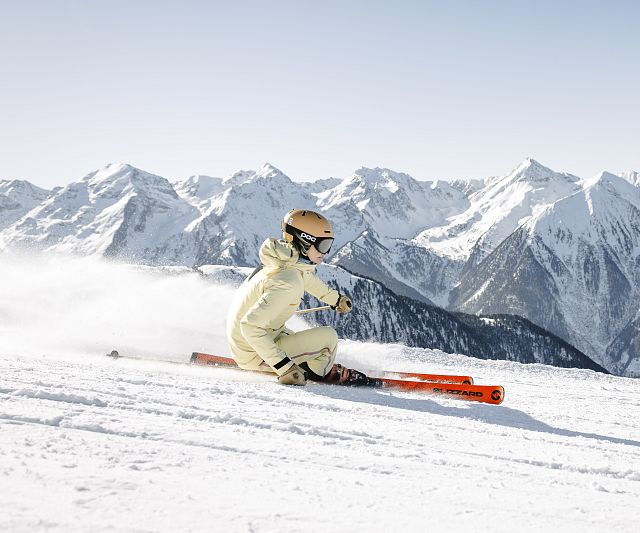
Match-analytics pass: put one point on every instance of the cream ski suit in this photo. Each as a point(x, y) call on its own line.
point(256, 320)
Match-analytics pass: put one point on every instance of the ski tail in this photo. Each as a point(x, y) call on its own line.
point(206, 359)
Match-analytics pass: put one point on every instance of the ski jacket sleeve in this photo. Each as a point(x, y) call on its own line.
point(318, 288)
point(261, 322)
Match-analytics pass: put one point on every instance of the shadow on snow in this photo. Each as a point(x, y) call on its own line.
point(491, 414)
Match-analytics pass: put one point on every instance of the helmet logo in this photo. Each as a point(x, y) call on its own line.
point(307, 236)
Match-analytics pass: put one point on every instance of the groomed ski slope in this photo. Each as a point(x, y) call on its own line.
point(92, 444)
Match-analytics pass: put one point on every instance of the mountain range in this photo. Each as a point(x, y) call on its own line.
point(559, 251)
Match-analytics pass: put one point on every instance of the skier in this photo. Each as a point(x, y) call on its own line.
point(256, 320)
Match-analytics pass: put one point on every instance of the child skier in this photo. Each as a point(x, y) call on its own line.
point(256, 320)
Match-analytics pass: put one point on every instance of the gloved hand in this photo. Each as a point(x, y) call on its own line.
point(343, 305)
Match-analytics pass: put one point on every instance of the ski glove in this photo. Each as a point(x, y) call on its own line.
point(343, 305)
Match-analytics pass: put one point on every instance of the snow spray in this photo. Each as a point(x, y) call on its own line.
point(76, 307)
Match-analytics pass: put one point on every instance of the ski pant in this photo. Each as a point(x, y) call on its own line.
point(314, 350)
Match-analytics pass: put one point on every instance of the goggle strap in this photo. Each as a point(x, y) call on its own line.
point(318, 243)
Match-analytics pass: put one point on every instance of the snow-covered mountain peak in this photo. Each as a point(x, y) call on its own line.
point(267, 169)
point(367, 187)
point(467, 187)
point(606, 187)
point(109, 172)
point(17, 197)
point(320, 185)
point(529, 183)
point(381, 176)
point(603, 176)
point(497, 209)
point(240, 176)
point(581, 253)
point(119, 166)
point(17, 190)
point(531, 163)
point(117, 209)
point(198, 187)
point(391, 203)
point(606, 203)
point(632, 177)
point(532, 172)
point(271, 173)
point(445, 188)
point(267, 173)
point(381, 181)
point(200, 181)
point(612, 183)
point(117, 179)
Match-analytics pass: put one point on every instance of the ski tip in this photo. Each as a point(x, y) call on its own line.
point(497, 395)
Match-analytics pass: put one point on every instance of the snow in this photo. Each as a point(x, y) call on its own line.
point(392, 204)
point(497, 209)
point(631, 176)
point(92, 444)
point(17, 197)
point(118, 200)
point(601, 218)
point(198, 189)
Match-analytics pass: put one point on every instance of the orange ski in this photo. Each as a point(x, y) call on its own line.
point(206, 359)
point(438, 378)
point(478, 393)
point(199, 358)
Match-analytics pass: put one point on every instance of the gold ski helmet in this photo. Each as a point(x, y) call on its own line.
point(305, 228)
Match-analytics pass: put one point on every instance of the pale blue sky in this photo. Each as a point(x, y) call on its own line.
point(436, 89)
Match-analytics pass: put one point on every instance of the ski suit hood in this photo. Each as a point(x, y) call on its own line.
point(277, 255)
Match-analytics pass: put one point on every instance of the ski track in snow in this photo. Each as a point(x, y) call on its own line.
point(102, 445)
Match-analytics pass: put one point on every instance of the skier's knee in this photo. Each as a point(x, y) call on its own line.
point(331, 337)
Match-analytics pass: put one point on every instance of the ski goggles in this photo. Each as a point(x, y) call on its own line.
point(322, 244)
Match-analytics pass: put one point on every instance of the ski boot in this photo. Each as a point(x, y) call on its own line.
point(341, 375)
point(294, 376)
